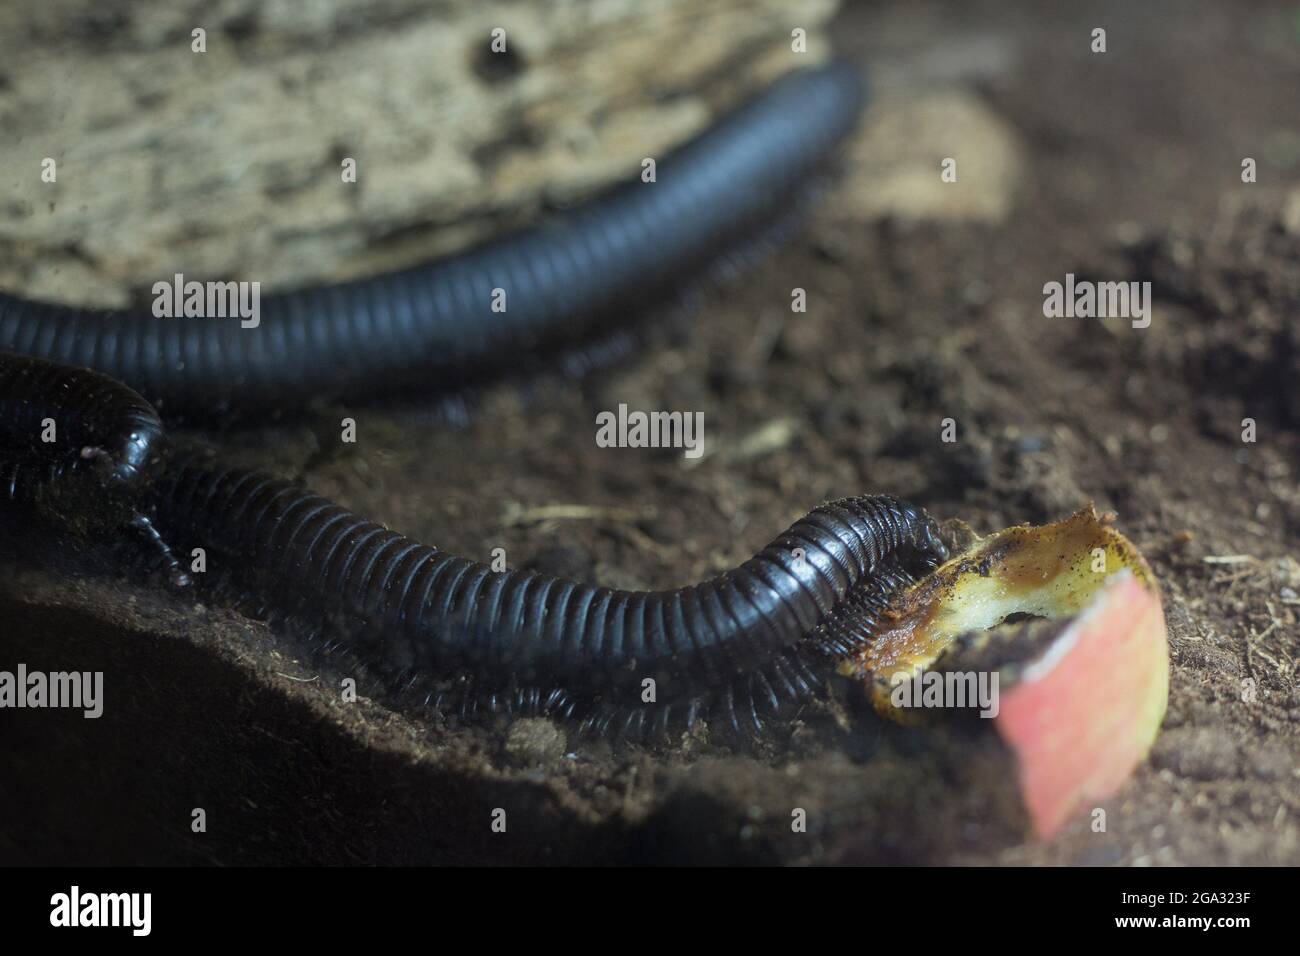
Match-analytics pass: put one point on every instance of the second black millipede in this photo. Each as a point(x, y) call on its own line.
point(435, 324)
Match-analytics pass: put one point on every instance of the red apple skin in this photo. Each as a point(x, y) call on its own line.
point(1084, 715)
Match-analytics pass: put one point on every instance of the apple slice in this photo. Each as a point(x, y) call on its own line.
point(1079, 701)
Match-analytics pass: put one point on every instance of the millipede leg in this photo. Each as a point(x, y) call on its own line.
point(143, 526)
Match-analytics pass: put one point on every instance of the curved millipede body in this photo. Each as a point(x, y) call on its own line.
point(435, 323)
point(745, 641)
point(740, 644)
point(417, 609)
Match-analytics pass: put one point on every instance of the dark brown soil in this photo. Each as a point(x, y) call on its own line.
point(1130, 168)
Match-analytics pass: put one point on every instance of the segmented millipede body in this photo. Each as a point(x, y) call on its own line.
point(419, 609)
point(434, 322)
point(740, 645)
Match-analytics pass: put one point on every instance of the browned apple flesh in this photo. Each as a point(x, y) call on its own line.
point(1079, 704)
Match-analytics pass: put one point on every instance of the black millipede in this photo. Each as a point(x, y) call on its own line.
point(513, 641)
point(737, 647)
point(435, 324)
point(534, 642)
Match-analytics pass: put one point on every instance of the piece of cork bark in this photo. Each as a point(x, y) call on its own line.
point(228, 163)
